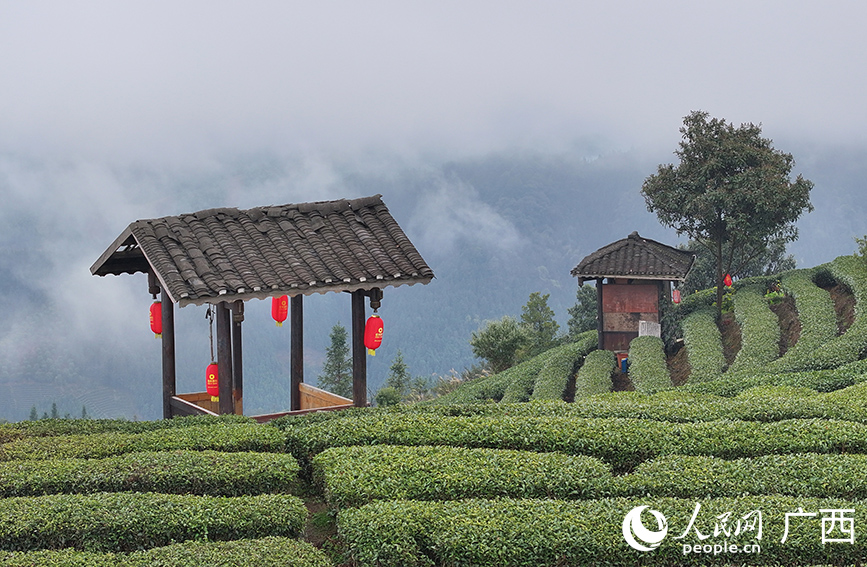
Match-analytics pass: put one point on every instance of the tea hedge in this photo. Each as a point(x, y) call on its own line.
point(556, 532)
point(554, 376)
point(121, 522)
point(594, 376)
point(522, 377)
point(806, 474)
point(623, 443)
point(703, 343)
point(816, 315)
point(648, 370)
point(351, 476)
point(217, 437)
point(264, 552)
point(760, 331)
point(176, 472)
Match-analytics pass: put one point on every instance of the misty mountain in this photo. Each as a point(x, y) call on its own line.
point(494, 228)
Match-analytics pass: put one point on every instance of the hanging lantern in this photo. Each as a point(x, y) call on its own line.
point(727, 280)
point(373, 334)
point(157, 319)
point(675, 296)
point(279, 309)
point(212, 384)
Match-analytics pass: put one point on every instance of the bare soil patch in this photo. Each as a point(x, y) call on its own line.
point(679, 368)
point(844, 305)
point(790, 325)
point(731, 337)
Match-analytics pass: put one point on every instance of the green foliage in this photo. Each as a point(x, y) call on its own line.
point(730, 192)
point(703, 343)
point(129, 521)
point(176, 472)
point(582, 315)
point(538, 320)
point(760, 331)
point(816, 315)
point(647, 366)
point(351, 476)
point(559, 368)
point(498, 342)
point(594, 376)
point(264, 552)
point(703, 275)
point(336, 374)
point(398, 376)
point(387, 396)
point(227, 437)
point(508, 533)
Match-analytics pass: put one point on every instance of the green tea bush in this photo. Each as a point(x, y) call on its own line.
point(805, 474)
point(647, 366)
point(703, 343)
point(760, 330)
point(594, 376)
point(176, 472)
point(264, 552)
point(851, 345)
point(121, 522)
point(351, 476)
point(816, 315)
point(623, 443)
point(554, 376)
point(522, 378)
point(226, 437)
point(507, 533)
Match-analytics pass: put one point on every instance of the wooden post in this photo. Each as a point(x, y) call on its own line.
point(168, 348)
point(296, 351)
point(224, 357)
point(359, 353)
point(600, 328)
point(237, 356)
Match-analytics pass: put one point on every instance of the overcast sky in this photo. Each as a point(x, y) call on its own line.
point(145, 81)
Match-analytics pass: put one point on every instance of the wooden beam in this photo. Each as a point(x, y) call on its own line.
point(359, 353)
point(224, 357)
point(237, 353)
point(183, 407)
point(296, 350)
point(168, 354)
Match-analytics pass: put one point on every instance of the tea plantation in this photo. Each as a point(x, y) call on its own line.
point(759, 461)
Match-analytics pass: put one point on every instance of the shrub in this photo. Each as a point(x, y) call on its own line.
point(760, 330)
point(177, 472)
point(555, 532)
point(350, 476)
point(703, 343)
point(218, 437)
point(264, 552)
point(123, 522)
point(647, 367)
point(594, 376)
point(553, 378)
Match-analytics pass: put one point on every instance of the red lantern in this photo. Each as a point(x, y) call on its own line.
point(676, 296)
point(212, 383)
point(373, 334)
point(727, 280)
point(279, 309)
point(157, 318)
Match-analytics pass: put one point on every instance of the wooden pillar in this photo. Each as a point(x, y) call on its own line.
point(168, 348)
point(296, 351)
point(237, 356)
point(224, 357)
point(359, 353)
point(600, 328)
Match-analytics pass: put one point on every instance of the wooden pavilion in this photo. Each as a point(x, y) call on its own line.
point(224, 257)
point(632, 276)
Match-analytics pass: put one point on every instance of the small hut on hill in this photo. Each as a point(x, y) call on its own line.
point(633, 276)
point(224, 257)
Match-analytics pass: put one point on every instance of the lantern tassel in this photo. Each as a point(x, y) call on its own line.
point(279, 323)
point(158, 335)
point(371, 352)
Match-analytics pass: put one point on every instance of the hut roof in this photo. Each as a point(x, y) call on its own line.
point(230, 254)
point(635, 257)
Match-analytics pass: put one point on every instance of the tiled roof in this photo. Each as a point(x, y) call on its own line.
point(229, 254)
point(637, 258)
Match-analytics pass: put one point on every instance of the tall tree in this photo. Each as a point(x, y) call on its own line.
point(582, 315)
point(398, 375)
point(731, 192)
point(539, 321)
point(336, 374)
point(703, 273)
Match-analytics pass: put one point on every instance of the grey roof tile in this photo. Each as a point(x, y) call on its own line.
point(636, 257)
